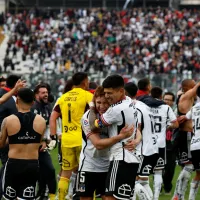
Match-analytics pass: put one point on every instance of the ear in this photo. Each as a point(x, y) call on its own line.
point(122, 90)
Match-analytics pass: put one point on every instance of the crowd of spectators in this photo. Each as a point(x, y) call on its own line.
point(134, 41)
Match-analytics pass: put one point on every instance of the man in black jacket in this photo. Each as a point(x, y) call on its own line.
point(42, 107)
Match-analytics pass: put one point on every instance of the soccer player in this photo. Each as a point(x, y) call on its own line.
point(71, 106)
point(185, 102)
point(165, 119)
point(149, 147)
point(124, 164)
point(24, 131)
point(2, 82)
point(144, 87)
point(94, 159)
point(194, 115)
point(168, 175)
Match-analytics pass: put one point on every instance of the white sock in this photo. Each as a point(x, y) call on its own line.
point(145, 184)
point(141, 192)
point(157, 183)
point(72, 183)
point(194, 186)
point(182, 181)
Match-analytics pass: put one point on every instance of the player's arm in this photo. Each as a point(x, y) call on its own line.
point(3, 133)
point(93, 120)
point(53, 120)
point(9, 94)
point(190, 93)
point(108, 142)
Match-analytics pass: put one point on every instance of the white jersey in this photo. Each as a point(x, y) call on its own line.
point(163, 115)
point(194, 115)
point(146, 120)
point(116, 117)
point(91, 159)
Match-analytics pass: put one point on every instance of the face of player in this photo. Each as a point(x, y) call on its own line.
point(168, 99)
point(2, 84)
point(101, 104)
point(42, 95)
point(114, 95)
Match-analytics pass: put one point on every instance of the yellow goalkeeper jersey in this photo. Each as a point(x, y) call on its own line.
point(72, 107)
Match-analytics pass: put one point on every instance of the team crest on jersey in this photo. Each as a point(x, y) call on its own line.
point(124, 190)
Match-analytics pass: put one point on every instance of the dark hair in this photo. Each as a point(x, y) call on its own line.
point(79, 77)
point(198, 91)
point(156, 92)
point(2, 79)
point(12, 80)
point(131, 88)
point(26, 95)
point(171, 94)
point(113, 81)
point(143, 84)
point(68, 86)
point(93, 85)
point(41, 85)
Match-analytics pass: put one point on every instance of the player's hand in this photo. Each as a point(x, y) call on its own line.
point(20, 84)
point(181, 119)
point(131, 144)
point(43, 146)
point(53, 143)
point(127, 131)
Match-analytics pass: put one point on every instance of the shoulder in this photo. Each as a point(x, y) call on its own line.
point(10, 119)
point(40, 119)
point(86, 115)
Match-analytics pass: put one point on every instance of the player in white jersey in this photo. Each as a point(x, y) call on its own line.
point(94, 158)
point(123, 163)
point(165, 119)
point(194, 115)
point(149, 147)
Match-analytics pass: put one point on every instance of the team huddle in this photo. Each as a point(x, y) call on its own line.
point(111, 138)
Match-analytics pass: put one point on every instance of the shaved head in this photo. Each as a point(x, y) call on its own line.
point(187, 84)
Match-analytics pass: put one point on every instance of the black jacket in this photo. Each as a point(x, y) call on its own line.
point(42, 109)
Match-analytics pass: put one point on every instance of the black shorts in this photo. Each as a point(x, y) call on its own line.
point(59, 153)
point(161, 162)
point(19, 179)
point(184, 152)
point(148, 164)
point(120, 180)
point(88, 182)
point(196, 159)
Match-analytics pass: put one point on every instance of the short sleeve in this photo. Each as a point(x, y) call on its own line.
point(171, 115)
point(109, 117)
point(89, 97)
point(86, 127)
point(189, 114)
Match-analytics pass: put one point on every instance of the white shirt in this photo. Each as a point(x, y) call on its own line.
point(194, 115)
point(163, 115)
point(146, 120)
point(116, 117)
point(92, 159)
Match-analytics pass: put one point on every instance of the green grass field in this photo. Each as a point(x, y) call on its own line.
point(162, 197)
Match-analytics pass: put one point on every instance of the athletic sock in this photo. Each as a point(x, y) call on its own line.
point(182, 181)
point(72, 184)
point(145, 184)
point(140, 192)
point(62, 188)
point(157, 183)
point(52, 196)
point(194, 186)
